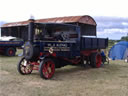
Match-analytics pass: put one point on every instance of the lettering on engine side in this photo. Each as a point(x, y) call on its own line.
point(57, 47)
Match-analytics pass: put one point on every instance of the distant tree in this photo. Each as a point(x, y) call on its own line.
point(112, 42)
point(124, 38)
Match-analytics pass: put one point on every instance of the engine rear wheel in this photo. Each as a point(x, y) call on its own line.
point(96, 60)
point(47, 68)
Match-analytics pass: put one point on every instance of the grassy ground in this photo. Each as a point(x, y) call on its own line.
point(109, 80)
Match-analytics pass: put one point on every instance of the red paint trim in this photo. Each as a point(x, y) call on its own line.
point(41, 53)
point(53, 54)
point(73, 61)
point(87, 52)
point(98, 60)
point(35, 68)
point(48, 69)
point(35, 65)
point(48, 54)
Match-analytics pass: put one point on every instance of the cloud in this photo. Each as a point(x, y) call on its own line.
point(125, 23)
point(113, 31)
point(112, 26)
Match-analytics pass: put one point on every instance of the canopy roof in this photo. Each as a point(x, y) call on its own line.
point(70, 19)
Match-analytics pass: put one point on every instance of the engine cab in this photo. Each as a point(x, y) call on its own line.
point(43, 37)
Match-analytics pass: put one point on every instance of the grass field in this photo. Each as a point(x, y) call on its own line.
point(109, 80)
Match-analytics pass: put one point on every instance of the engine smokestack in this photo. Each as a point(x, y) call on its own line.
point(31, 30)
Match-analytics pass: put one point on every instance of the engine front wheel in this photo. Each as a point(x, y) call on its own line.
point(24, 67)
point(47, 68)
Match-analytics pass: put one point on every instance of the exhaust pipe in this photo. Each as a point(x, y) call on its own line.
point(31, 30)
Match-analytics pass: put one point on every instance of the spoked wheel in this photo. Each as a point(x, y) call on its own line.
point(24, 67)
point(47, 68)
point(96, 60)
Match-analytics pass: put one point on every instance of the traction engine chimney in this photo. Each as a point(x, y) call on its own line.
point(31, 30)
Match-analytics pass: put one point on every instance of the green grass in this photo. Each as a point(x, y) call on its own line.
point(109, 80)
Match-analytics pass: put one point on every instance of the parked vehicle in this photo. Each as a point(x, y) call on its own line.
point(52, 45)
point(8, 45)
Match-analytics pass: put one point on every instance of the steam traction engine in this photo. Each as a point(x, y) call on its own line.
point(52, 45)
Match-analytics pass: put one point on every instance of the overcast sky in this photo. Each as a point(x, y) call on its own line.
point(20, 10)
point(112, 27)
